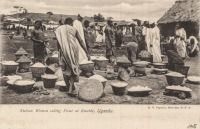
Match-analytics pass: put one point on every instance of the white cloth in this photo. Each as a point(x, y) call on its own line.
point(195, 43)
point(79, 27)
point(181, 47)
point(104, 36)
point(181, 32)
point(146, 33)
point(99, 38)
point(155, 41)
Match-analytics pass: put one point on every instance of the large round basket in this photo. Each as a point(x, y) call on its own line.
point(182, 69)
point(90, 91)
point(49, 80)
point(140, 70)
point(174, 80)
point(25, 66)
point(123, 74)
point(159, 65)
point(123, 64)
point(148, 59)
point(24, 86)
point(87, 68)
point(101, 65)
point(9, 68)
point(119, 88)
point(37, 72)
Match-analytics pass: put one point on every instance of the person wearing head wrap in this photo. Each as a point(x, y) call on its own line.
point(132, 49)
point(145, 33)
point(193, 47)
point(67, 37)
point(39, 41)
point(180, 41)
point(173, 56)
point(79, 27)
point(109, 40)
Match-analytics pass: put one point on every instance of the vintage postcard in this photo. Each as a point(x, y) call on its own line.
point(100, 64)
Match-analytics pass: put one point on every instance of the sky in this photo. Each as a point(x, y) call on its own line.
point(118, 9)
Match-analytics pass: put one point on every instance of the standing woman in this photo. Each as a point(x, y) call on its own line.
point(118, 37)
point(108, 40)
point(39, 40)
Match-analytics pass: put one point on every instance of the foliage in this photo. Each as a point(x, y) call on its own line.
point(99, 18)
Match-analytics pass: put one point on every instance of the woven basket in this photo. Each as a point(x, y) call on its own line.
point(172, 80)
point(123, 64)
point(49, 82)
point(25, 66)
point(24, 88)
point(182, 69)
point(101, 65)
point(87, 68)
point(91, 90)
point(118, 90)
point(140, 70)
point(123, 74)
point(159, 65)
point(37, 72)
point(148, 59)
point(9, 69)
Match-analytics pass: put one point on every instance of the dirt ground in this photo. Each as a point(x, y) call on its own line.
point(156, 82)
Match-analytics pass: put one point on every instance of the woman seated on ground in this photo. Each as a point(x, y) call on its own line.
point(174, 57)
point(132, 49)
point(193, 48)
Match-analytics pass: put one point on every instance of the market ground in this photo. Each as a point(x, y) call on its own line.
point(156, 82)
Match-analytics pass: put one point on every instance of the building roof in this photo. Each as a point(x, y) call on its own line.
point(182, 10)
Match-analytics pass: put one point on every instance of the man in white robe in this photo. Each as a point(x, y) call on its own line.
point(155, 43)
point(79, 27)
point(145, 32)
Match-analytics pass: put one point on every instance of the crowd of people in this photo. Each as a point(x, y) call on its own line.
point(75, 41)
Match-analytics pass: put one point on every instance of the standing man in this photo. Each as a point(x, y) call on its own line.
point(155, 43)
point(139, 36)
point(79, 27)
point(108, 40)
point(118, 37)
point(67, 37)
point(86, 35)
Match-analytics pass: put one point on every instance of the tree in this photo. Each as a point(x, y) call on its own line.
point(2, 17)
point(99, 18)
point(50, 14)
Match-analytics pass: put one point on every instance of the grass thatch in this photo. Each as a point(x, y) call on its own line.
point(181, 11)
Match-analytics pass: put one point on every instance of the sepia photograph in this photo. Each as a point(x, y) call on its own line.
point(127, 52)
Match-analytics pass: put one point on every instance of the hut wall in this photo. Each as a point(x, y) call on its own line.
point(191, 28)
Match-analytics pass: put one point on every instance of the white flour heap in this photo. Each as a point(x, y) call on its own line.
point(38, 65)
point(86, 62)
point(102, 58)
point(9, 63)
point(175, 74)
point(24, 82)
point(61, 83)
point(49, 76)
point(98, 77)
point(119, 84)
point(139, 88)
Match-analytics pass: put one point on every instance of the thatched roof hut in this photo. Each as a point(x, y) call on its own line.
point(185, 12)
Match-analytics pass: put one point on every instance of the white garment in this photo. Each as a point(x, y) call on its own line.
point(155, 41)
point(99, 38)
point(104, 36)
point(146, 33)
point(181, 47)
point(181, 32)
point(79, 27)
point(195, 43)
